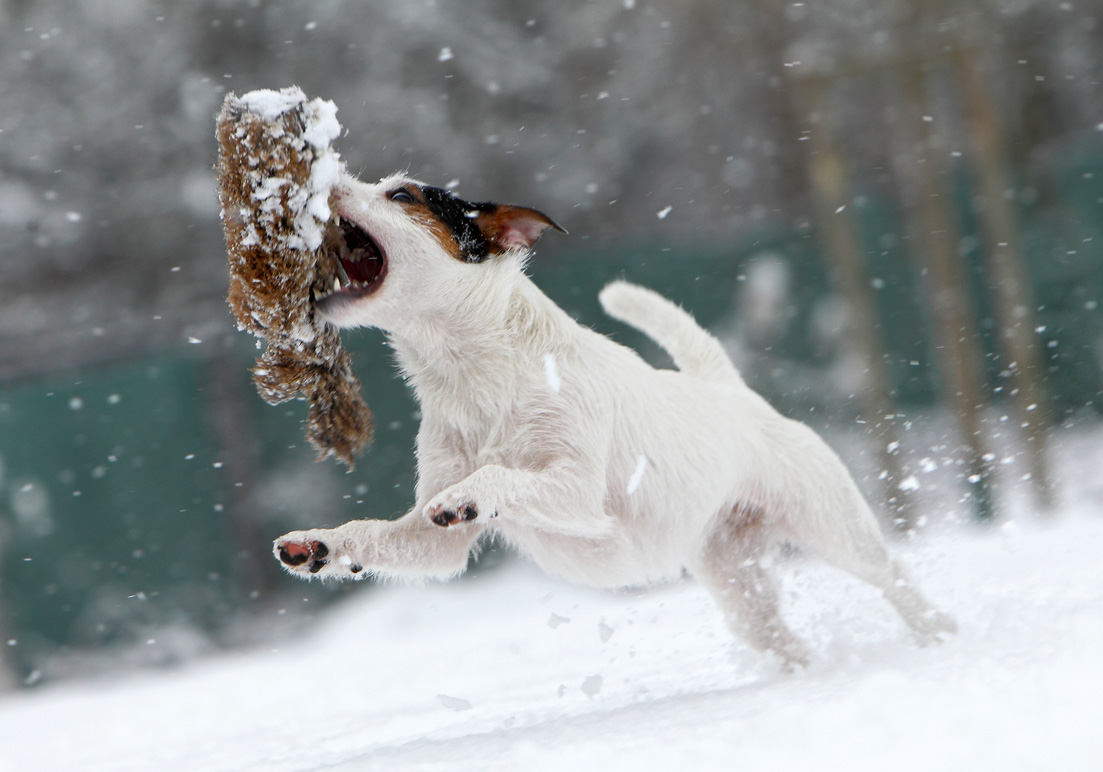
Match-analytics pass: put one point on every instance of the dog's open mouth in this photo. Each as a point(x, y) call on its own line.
point(358, 264)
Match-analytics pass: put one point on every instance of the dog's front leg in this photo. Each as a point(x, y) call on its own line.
point(409, 547)
point(559, 498)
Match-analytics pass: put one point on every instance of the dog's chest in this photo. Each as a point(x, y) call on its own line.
point(503, 442)
point(514, 433)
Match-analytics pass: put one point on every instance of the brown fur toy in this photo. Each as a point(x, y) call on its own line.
point(276, 172)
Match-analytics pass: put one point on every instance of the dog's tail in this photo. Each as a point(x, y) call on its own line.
point(694, 350)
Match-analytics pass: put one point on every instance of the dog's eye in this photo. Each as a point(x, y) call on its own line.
point(402, 196)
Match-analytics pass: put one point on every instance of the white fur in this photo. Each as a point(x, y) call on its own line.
point(610, 472)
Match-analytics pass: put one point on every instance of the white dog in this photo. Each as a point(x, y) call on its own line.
point(568, 446)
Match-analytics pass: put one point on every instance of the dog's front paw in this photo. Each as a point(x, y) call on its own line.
point(305, 554)
point(444, 516)
point(297, 553)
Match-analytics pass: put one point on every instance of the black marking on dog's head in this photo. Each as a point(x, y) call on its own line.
point(459, 217)
point(475, 230)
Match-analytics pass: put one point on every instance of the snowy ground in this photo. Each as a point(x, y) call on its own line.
point(512, 670)
point(515, 671)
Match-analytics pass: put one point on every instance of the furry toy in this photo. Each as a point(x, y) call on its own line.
point(276, 173)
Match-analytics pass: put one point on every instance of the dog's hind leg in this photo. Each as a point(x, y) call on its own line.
point(409, 547)
point(838, 526)
point(730, 567)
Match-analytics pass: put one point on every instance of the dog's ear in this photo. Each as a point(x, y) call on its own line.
point(509, 227)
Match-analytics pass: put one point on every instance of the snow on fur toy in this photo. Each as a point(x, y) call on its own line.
point(276, 173)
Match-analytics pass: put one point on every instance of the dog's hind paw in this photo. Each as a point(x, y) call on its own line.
point(446, 516)
point(933, 626)
point(308, 557)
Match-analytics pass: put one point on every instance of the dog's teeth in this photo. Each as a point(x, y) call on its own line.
point(341, 276)
point(336, 284)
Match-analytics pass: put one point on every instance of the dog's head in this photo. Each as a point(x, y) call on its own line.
point(405, 248)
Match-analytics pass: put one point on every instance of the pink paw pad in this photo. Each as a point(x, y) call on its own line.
point(296, 553)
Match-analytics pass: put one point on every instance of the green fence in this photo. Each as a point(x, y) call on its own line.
point(145, 494)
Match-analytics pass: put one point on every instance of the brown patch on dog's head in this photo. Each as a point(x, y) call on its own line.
point(424, 204)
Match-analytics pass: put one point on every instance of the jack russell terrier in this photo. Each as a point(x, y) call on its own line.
point(568, 446)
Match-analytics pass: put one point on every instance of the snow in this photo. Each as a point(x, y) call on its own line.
point(910, 483)
point(321, 128)
point(309, 203)
point(637, 475)
point(551, 374)
point(271, 104)
point(473, 675)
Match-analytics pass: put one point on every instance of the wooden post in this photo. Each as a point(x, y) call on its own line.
point(7, 665)
point(836, 226)
point(1015, 310)
point(927, 202)
point(228, 393)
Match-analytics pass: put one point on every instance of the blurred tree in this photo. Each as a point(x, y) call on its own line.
point(926, 198)
point(835, 221)
point(1015, 306)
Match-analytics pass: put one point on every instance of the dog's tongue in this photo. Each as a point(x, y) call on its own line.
point(361, 269)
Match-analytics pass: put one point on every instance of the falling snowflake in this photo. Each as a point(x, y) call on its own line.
point(591, 685)
point(637, 476)
point(551, 374)
point(454, 703)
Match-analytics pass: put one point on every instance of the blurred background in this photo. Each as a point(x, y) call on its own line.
point(890, 210)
